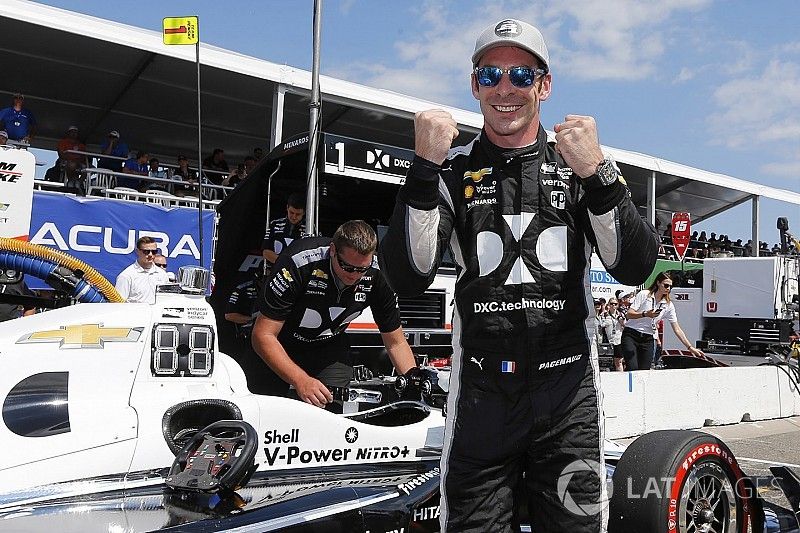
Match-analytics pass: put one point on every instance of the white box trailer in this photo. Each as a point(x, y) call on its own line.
point(747, 301)
point(746, 287)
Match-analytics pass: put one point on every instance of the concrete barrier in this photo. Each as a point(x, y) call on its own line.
point(638, 402)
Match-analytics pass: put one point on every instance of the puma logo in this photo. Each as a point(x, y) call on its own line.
point(479, 363)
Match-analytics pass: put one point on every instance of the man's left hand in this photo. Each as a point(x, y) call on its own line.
point(576, 141)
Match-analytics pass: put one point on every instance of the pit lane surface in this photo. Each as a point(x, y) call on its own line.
point(757, 445)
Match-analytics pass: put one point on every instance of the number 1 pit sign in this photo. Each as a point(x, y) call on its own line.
point(180, 30)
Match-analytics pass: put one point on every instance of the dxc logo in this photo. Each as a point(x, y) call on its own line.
point(331, 325)
point(378, 158)
point(550, 250)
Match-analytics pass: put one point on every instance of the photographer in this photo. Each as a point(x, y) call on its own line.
point(649, 307)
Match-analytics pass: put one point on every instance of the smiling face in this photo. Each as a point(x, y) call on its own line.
point(511, 114)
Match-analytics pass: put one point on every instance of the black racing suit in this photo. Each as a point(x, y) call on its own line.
point(524, 393)
point(280, 234)
point(316, 308)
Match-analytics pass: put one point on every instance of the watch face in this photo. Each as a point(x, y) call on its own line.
point(607, 172)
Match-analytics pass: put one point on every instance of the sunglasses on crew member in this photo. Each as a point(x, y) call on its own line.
point(667, 285)
point(162, 265)
point(148, 252)
point(347, 267)
point(489, 76)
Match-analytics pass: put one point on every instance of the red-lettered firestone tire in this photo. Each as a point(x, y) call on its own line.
point(681, 482)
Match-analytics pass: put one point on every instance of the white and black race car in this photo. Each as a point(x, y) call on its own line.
point(128, 418)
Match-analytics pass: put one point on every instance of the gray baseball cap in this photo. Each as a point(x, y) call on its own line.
point(512, 32)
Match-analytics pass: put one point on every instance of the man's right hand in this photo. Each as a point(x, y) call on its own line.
point(434, 133)
point(311, 390)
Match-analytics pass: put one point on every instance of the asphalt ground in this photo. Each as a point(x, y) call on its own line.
point(757, 445)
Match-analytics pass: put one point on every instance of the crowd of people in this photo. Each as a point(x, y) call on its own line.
point(702, 246)
point(18, 126)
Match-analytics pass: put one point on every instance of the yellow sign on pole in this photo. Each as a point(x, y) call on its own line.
point(180, 30)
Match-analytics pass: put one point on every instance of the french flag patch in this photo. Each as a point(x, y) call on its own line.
point(508, 367)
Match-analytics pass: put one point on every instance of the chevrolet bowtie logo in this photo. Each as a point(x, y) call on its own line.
point(83, 336)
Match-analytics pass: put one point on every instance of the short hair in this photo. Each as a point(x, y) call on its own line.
point(249, 158)
point(357, 235)
point(140, 153)
point(217, 151)
point(296, 200)
point(153, 160)
point(146, 239)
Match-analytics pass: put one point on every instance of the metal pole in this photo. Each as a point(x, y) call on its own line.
point(313, 128)
point(651, 199)
point(199, 156)
point(754, 227)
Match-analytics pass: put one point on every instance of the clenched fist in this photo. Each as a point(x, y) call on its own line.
point(576, 141)
point(434, 132)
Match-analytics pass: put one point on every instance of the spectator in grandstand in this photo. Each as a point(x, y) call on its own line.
point(241, 172)
point(138, 282)
point(649, 307)
point(188, 176)
point(114, 147)
point(217, 164)
point(154, 170)
point(10, 311)
point(258, 153)
point(613, 322)
point(136, 166)
point(71, 163)
point(702, 238)
point(18, 121)
point(3, 137)
point(283, 231)
point(236, 177)
point(319, 285)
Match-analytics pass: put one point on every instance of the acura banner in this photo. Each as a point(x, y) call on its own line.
point(103, 232)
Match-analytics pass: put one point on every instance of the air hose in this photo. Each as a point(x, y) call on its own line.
point(59, 270)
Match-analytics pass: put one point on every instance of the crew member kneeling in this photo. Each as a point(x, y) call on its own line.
point(318, 286)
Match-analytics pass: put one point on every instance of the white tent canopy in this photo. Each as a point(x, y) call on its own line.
point(101, 75)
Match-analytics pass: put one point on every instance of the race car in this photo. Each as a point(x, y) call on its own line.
point(127, 417)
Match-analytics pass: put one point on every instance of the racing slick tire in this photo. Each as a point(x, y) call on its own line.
point(681, 482)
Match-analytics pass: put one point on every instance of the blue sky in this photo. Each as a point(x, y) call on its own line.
point(710, 84)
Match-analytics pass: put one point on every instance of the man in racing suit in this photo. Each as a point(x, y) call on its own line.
point(521, 217)
point(282, 231)
point(318, 286)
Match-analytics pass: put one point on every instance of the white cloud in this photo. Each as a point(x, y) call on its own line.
point(685, 75)
point(789, 169)
point(762, 109)
point(589, 40)
point(761, 113)
point(615, 39)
